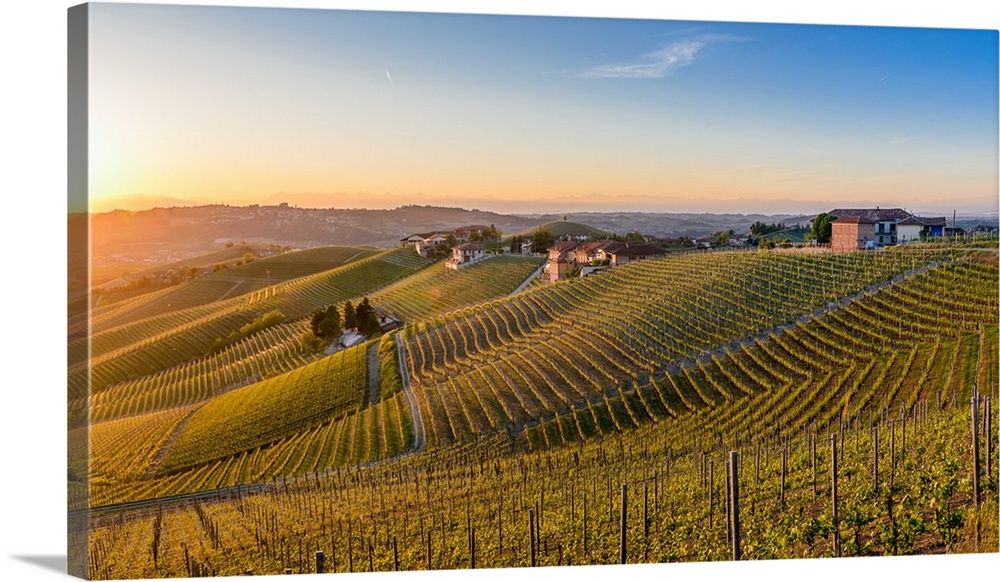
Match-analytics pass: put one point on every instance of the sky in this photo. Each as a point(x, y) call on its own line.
point(511, 113)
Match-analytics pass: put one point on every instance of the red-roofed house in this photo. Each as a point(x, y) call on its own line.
point(875, 228)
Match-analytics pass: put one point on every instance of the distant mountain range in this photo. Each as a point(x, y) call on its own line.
point(199, 228)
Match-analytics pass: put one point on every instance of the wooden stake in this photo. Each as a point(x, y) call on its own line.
point(531, 536)
point(875, 457)
point(784, 471)
point(989, 439)
point(833, 493)
point(975, 450)
point(734, 502)
point(812, 445)
point(622, 548)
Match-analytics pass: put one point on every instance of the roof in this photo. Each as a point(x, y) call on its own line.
point(871, 215)
point(635, 250)
point(921, 221)
point(853, 220)
point(563, 246)
point(470, 246)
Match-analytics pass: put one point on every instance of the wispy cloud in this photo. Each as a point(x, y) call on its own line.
point(662, 62)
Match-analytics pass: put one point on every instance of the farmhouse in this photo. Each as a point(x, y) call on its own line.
point(425, 243)
point(566, 256)
point(465, 254)
point(875, 228)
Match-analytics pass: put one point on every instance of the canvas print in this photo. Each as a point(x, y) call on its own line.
point(361, 291)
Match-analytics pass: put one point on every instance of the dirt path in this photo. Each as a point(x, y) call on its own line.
point(419, 435)
point(374, 375)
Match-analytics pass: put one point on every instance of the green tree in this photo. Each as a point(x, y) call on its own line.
point(367, 319)
point(822, 227)
point(329, 328)
point(350, 317)
point(309, 343)
point(542, 240)
point(248, 257)
point(317, 319)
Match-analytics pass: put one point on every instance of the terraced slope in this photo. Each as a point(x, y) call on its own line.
point(436, 291)
point(229, 283)
point(547, 351)
point(145, 347)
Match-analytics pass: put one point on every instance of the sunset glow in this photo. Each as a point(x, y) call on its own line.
point(506, 113)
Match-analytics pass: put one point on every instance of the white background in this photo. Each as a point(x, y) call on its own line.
point(32, 325)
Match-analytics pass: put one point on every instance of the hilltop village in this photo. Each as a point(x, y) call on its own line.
point(580, 250)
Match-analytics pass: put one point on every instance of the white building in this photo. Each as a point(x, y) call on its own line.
point(465, 254)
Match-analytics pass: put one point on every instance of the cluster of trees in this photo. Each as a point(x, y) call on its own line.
point(328, 323)
point(540, 241)
point(634, 236)
point(822, 228)
point(487, 234)
point(759, 228)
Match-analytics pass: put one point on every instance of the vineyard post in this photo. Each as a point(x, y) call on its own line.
point(395, 555)
point(645, 509)
point(875, 457)
point(735, 502)
point(812, 446)
point(989, 439)
point(975, 450)
point(350, 548)
point(287, 571)
point(371, 566)
point(711, 494)
point(500, 526)
point(472, 548)
point(784, 471)
point(319, 562)
point(585, 522)
point(902, 442)
point(892, 452)
point(622, 549)
point(428, 549)
point(833, 493)
point(756, 465)
point(727, 505)
point(531, 537)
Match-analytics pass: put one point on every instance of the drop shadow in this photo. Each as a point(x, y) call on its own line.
point(54, 563)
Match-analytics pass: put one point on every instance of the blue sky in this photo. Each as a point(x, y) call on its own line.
point(555, 114)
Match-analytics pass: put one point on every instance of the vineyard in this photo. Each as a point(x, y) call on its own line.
point(568, 423)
